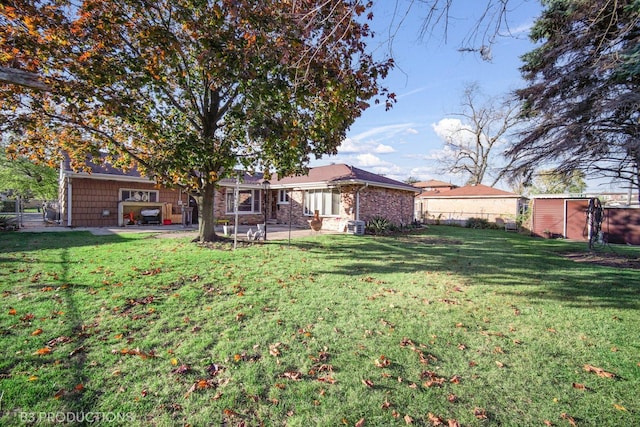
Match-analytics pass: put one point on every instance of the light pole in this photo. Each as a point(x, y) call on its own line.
point(265, 187)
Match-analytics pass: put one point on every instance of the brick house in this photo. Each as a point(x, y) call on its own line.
point(107, 197)
point(341, 193)
point(457, 205)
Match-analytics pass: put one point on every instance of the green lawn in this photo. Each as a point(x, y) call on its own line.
point(481, 327)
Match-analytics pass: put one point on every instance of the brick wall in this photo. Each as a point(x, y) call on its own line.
point(394, 205)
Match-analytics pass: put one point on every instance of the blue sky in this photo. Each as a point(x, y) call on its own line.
point(430, 76)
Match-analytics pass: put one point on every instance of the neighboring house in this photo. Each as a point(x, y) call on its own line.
point(108, 197)
point(434, 185)
point(457, 205)
point(562, 215)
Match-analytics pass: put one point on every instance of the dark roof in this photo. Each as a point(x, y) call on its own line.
point(341, 174)
point(101, 167)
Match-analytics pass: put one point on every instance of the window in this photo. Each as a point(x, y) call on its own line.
point(248, 201)
point(327, 202)
point(131, 195)
point(283, 197)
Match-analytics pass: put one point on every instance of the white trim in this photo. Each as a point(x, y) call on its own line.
point(108, 177)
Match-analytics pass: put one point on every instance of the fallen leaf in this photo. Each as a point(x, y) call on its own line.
point(579, 386)
point(33, 378)
point(293, 375)
point(174, 361)
point(599, 371)
point(42, 351)
point(434, 419)
point(569, 418)
point(27, 317)
point(36, 332)
point(230, 413)
point(182, 369)
point(619, 407)
point(548, 423)
point(12, 312)
point(499, 364)
point(453, 423)
point(79, 387)
point(480, 413)
point(382, 362)
point(59, 393)
point(367, 383)
point(214, 369)
point(408, 419)
point(360, 422)
point(273, 349)
point(452, 398)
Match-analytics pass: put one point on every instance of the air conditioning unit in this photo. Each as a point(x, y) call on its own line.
point(355, 227)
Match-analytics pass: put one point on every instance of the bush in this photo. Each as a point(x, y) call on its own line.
point(7, 206)
point(8, 223)
point(379, 225)
point(479, 223)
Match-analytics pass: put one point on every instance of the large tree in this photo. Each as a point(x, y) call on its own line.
point(583, 92)
point(474, 143)
point(189, 89)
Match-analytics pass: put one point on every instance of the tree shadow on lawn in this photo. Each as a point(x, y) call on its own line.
point(516, 265)
point(23, 242)
point(63, 350)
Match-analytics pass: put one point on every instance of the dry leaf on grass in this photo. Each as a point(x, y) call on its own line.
point(599, 371)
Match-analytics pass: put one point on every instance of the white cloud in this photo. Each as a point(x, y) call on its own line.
point(379, 140)
point(447, 127)
point(384, 149)
point(350, 145)
point(368, 160)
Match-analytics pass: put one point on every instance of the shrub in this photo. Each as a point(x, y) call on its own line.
point(478, 223)
point(379, 225)
point(8, 223)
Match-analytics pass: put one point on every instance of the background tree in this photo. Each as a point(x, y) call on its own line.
point(552, 182)
point(26, 179)
point(186, 89)
point(475, 143)
point(583, 92)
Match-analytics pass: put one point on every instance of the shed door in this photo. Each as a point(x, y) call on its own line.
point(577, 219)
point(548, 216)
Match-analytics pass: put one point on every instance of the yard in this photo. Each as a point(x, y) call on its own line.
point(449, 325)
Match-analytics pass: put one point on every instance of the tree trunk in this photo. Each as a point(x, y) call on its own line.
point(206, 215)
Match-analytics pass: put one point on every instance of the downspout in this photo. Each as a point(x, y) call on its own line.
point(357, 217)
point(69, 203)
